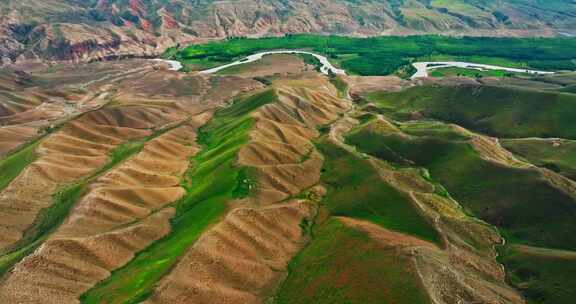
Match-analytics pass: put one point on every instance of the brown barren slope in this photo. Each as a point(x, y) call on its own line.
point(122, 214)
point(34, 102)
point(279, 64)
point(77, 150)
point(13, 136)
point(244, 257)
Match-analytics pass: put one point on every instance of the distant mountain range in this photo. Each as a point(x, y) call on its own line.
point(83, 30)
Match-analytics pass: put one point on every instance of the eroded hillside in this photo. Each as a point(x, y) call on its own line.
point(273, 183)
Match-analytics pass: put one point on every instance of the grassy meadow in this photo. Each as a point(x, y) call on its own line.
point(497, 111)
point(515, 200)
point(344, 265)
point(355, 190)
point(556, 155)
point(544, 276)
point(535, 217)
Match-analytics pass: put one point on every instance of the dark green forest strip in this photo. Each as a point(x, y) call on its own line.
point(212, 181)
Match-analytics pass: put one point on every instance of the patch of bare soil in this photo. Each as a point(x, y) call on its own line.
point(224, 88)
point(278, 64)
point(11, 137)
point(32, 103)
point(48, 96)
point(43, 96)
point(280, 150)
point(122, 214)
point(62, 268)
point(363, 84)
point(244, 257)
point(124, 209)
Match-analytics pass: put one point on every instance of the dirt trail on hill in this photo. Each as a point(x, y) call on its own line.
point(121, 214)
point(244, 257)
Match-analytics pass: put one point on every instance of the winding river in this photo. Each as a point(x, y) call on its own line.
point(174, 65)
point(325, 68)
point(422, 68)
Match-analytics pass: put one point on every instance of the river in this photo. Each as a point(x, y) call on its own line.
point(174, 65)
point(325, 68)
point(422, 68)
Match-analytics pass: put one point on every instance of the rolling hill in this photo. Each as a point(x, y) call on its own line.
point(329, 172)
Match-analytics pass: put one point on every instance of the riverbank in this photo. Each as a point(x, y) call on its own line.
point(326, 67)
point(422, 68)
point(174, 65)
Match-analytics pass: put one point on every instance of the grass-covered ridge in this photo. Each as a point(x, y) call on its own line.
point(344, 265)
point(386, 55)
point(555, 154)
point(544, 276)
point(534, 122)
point(356, 190)
point(498, 111)
point(212, 181)
point(520, 202)
point(13, 164)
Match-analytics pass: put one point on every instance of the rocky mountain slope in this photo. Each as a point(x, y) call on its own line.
point(77, 30)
